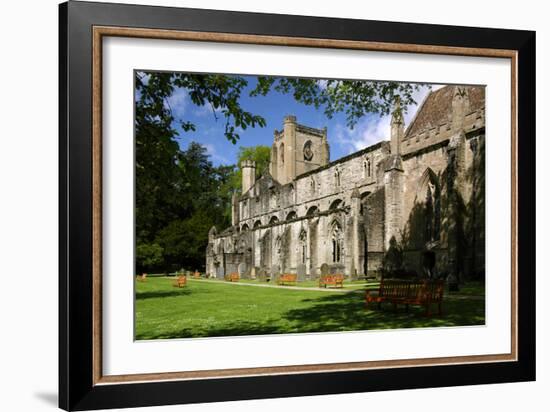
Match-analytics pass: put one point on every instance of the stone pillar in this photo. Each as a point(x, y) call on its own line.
point(455, 214)
point(460, 107)
point(273, 165)
point(397, 128)
point(325, 149)
point(234, 209)
point(289, 141)
point(308, 249)
point(257, 247)
point(295, 245)
point(348, 251)
point(356, 237)
point(313, 248)
point(324, 245)
point(253, 247)
point(248, 168)
point(393, 199)
point(457, 148)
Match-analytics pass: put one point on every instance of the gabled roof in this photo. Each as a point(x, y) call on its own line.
point(437, 106)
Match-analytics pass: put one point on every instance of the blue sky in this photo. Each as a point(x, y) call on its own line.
point(273, 107)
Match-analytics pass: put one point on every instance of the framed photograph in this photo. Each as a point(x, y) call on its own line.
point(256, 206)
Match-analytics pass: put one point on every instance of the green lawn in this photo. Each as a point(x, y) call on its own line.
point(470, 289)
point(217, 308)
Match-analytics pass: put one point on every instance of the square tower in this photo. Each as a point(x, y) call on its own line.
point(297, 149)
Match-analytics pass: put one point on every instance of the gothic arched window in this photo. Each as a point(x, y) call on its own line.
point(244, 212)
point(308, 151)
point(335, 204)
point(429, 196)
point(313, 210)
point(336, 240)
point(337, 178)
point(312, 186)
point(303, 245)
point(366, 168)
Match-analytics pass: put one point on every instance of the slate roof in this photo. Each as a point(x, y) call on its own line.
point(437, 106)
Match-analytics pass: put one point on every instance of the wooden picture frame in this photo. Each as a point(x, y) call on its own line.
point(82, 385)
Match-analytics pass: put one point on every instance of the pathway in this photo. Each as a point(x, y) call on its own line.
point(277, 286)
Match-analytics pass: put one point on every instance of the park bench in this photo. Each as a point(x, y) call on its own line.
point(232, 277)
point(403, 292)
point(331, 280)
point(180, 282)
point(287, 279)
point(142, 277)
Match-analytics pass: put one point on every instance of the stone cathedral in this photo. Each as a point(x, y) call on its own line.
point(422, 192)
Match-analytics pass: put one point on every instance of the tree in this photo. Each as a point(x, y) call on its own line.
point(355, 98)
point(184, 241)
point(259, 154)
point(148, 257)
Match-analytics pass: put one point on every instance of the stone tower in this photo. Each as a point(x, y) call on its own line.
point(248, 168)
point(297, 149)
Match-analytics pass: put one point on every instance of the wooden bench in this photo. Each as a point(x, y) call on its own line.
point(402, 292)
point(331, 280)
point(142, 277)
point(180, 282)
point(232, 277)
point(287, 279)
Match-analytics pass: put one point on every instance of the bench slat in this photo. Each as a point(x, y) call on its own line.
point(336, 280)
point(287, 278)
point(422, 293)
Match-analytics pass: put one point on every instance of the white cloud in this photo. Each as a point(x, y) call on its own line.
point(373, 129)
point(178, 102)
point(368, 131)
point(206, 110)
point(211, 150)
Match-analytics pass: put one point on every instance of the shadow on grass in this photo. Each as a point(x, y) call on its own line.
point(348, 312)
point(162, 293)
point(232, 329)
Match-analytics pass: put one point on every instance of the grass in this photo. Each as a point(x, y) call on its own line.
point(220, 309)
point(470, 289)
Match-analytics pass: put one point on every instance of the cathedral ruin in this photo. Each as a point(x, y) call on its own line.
point(422, 192)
